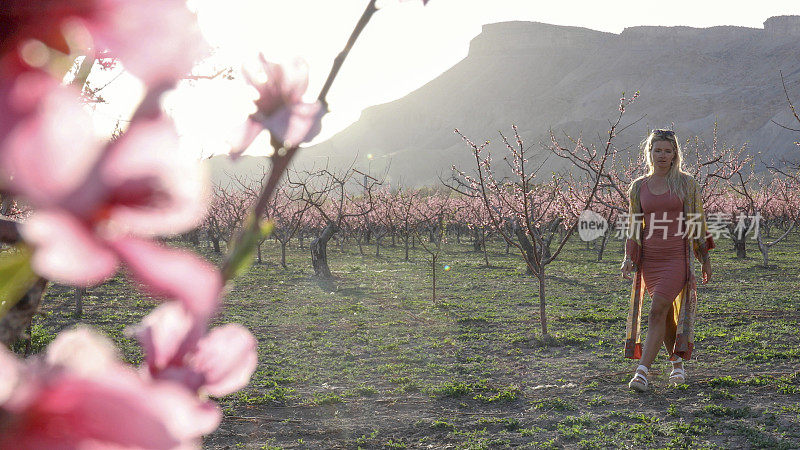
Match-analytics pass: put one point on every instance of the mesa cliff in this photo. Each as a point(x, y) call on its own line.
point(541, 77)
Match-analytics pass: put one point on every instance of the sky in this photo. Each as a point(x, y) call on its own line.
point(404, 46)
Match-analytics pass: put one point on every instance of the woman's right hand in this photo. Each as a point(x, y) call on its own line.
point(627, 268)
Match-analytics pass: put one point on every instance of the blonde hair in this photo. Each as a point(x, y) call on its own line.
point(677, 179)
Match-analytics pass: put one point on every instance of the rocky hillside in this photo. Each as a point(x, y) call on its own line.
point(542, 76)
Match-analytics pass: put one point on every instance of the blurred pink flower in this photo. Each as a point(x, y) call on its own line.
point(175, 348)
point(79, 395)
point(172, 274)
point(49, 148)
point(280, 108)
point(20, 97)
point(157, 40)
point(97, 203)
point(42, 20)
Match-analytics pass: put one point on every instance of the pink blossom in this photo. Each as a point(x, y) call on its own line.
point(171, 273)
point(217, 363)
point(50, 148)
point(42, 20)
point(97, 203)
point(280, 107)
point(157, 40)
point(67, 250)
point(79, 395)
point(20, 99)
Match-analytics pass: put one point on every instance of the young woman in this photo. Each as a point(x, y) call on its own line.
point(666, 226)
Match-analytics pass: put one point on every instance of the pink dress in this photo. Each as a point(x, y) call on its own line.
point(663, 250)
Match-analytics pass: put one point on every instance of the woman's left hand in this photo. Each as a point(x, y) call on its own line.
point(706, 271)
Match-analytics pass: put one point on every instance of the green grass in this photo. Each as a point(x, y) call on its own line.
point(370, 361)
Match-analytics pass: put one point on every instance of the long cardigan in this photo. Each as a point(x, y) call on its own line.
point(698, 241)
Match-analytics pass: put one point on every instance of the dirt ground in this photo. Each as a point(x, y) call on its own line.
point(371, 361)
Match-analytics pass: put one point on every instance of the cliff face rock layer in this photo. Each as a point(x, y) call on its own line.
point(540, 76)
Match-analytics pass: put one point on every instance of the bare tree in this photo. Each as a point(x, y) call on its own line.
point(286, 211)
point(759, 196)
point(529, 208)
point(404, 213)
point(433, 213)
point(227, 212)
point(329, 193)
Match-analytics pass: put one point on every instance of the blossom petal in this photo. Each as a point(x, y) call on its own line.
point(186, 416)
point(250, 132)
point(83, 351)
point(49, 153)
point(227, 357)
point(20, 97)
point(296, 124)
point(270, 97)
point(111, 407)
point(152, 188)
point(10, 369)
point(279, 107)
point(163, 332)
point(157, 40)
point(66, 251)
point(42, 21)
point(291, 80)
point(76, 412)
point(172, 273)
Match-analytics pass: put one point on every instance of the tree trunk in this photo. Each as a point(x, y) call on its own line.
point(405, 244)
point(527, 247)
point(542, 303)
point(433, 272)
point(476, 241)
point(194, 239)
point(6, 205)
point(602, 249)
point(78, 297)
point(739, 245)
point(485, 252)
point(764, 252)
point(214, 241)
point(283, 253)
point(319, 252)
point(546, 245)
point(764, 246)
point(738, 234)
